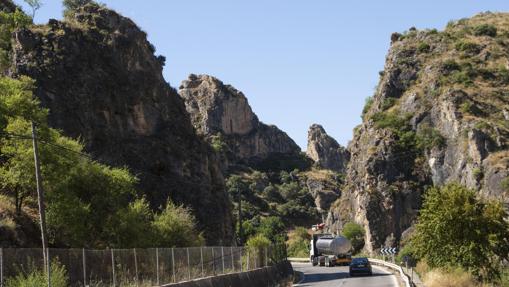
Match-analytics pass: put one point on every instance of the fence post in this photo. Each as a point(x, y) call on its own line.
point(266, 257)
point(84, 267)
point(157, 266)
point(233, 259)
point(213, 262)
point(136, 267)
point(49, 267)
point(188, 264)
point(173, 264)
point(240, 258)
point(1, 267)
point(247, 260)
point(255, 255)
point(201, 260)
point(113, 268)
point(222, 256)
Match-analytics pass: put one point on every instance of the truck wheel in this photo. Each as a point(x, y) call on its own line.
point(314, 262)
point(327, 262)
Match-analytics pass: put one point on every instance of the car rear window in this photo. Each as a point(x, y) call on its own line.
point(360, 260)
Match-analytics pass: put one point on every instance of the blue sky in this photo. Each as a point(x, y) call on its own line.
point(298, 62)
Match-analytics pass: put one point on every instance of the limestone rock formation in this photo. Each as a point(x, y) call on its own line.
point(100, 79)
point(325, 150)
point(438, 116)
point(223, 115)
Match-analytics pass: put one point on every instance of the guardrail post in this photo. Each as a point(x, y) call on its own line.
point(83, 255)
point(201, 261)
point(222, 257)
point(157, 266)
point(113, 268)
point(188, 264)
point(136, 267)
point(173, 265)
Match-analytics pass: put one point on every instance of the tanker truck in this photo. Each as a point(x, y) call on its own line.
point(328, 250)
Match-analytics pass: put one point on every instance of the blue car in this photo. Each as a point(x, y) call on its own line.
point(361, 266)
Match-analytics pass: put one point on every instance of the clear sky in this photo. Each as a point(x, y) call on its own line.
point(299, 62)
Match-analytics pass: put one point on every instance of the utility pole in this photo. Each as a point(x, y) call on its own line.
point(40, 200)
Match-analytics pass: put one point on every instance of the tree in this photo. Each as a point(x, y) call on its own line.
point(457, 229)
point(273, 228)
point(175, 226)
point(355, 233)
point(35, 5)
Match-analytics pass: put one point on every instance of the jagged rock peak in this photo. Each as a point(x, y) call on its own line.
point(216, 107)
point(221, 111)
point(325, 150)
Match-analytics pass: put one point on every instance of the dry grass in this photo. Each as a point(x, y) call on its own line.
point(449, 278)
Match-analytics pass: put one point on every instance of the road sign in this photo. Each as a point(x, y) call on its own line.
point(388, 250)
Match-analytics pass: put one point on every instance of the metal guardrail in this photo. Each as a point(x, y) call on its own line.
point(393, 266)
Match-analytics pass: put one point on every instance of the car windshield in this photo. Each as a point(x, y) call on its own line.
point(360, 261)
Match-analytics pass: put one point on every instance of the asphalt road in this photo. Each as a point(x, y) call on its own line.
point(338, 277)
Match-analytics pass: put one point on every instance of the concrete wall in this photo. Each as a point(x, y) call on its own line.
point(280, 275)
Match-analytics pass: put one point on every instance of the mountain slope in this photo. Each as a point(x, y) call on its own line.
point(440, 114)
point(98, 76)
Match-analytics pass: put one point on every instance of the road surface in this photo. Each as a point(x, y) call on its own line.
point(338, 277)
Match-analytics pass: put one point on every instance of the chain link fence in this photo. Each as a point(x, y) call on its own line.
point(135, 267)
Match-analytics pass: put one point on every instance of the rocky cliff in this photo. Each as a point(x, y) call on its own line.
point(439, 114)
point(325, 150)
point(222, 114)
point(101, 81)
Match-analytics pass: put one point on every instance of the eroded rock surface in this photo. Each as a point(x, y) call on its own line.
point(325, 150)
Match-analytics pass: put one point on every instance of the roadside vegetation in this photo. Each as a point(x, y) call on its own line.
point(460, 238)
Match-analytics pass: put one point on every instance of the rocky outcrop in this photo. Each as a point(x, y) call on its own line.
point(223, 115)
point(98, 76)
point(437, 117)
point(325, 150)
point(324, 186)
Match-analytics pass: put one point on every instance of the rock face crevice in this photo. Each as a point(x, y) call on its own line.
point(100, 79)
point(325, 150)
point(223, 115)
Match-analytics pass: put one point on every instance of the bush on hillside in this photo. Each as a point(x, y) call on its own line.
point(485, 30)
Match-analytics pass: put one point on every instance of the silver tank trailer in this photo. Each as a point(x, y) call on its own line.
point(333, 245)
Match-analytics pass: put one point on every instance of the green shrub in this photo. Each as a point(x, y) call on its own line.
point(367, 105)
point(423, 47)
point(477, 173)
point(38, 278)
point(355, 233)
point(468, 47)
point(461, 77)
point(505, 184)
point(450, 65)
point(390, 120)
point(388, 103)
point(485, 30)
point(428, 138)
point(218, 144)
